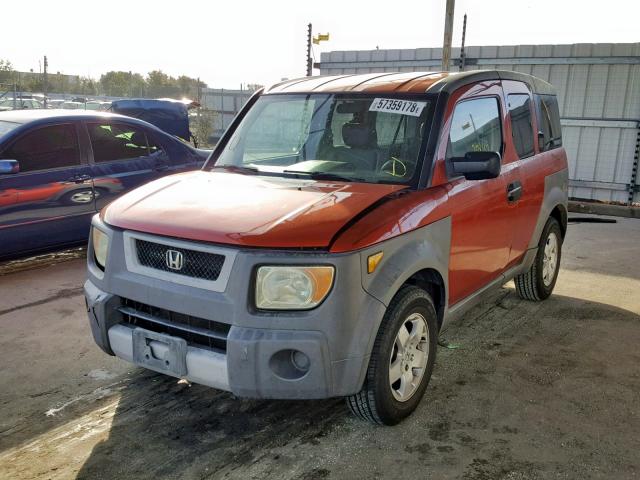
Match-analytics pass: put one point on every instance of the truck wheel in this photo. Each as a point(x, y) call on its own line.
point(537, 284)
point(402, 359)
point(80, 196)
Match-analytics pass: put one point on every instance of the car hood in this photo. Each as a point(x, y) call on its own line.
point(246, 210)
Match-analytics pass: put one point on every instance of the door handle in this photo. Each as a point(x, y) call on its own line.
point(514, 191)
point(79, 178)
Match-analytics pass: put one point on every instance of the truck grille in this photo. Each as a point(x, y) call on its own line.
point(196, 331)
point(192, 263)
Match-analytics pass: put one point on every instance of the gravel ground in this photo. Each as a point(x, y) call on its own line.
point(545, 390)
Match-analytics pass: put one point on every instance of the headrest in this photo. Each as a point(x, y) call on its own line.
point(358, 135)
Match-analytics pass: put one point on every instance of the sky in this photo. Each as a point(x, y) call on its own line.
point(231, 43)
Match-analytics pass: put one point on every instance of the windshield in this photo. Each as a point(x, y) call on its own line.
point(360, 138)
point(6, 127)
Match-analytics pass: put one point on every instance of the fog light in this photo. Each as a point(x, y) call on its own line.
point(289, 364)
point(300, 360)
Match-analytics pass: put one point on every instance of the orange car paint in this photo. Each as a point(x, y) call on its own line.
point(252, 211)
point(488, 233)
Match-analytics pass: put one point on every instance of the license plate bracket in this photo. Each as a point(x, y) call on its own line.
point(160, 352)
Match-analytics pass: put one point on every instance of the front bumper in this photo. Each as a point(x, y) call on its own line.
point(336, 338)
point(252, 366)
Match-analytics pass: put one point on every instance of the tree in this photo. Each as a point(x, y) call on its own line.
point(159, 84)
point(138, 85)
point(87, 86)
point(115, 84)
point(188, 87)
point(202, 126)
point(34, 83)
point(58, 83)
point(6, 71)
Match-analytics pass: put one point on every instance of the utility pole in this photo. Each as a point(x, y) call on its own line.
point(309, 61)
point(44, 80)
point(448, 28)
point(464, 33)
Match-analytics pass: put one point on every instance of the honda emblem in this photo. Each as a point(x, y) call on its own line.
point(174, 259)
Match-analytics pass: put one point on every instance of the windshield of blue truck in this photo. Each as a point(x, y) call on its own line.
point(359, 138)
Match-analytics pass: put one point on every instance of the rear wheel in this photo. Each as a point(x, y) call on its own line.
point(538, 283)
point(401, 361)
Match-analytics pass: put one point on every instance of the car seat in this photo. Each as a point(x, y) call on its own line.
point(361, 146)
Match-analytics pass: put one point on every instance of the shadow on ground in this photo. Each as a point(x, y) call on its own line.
point(536, 390)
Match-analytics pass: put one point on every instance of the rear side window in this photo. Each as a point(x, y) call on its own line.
point(112, 142)
point(548, 115)
point(475, 127)
point(46, 148)
point(521, 126)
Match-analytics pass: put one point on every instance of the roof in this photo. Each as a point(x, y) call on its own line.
point(24, 116)
point(405, 82)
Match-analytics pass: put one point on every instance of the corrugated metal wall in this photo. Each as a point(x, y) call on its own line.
point(598, 91)
point(226, 103)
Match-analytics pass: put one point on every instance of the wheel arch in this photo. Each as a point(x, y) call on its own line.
point(431, 281)
point(559, 212)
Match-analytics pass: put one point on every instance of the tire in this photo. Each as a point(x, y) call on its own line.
point(538, 283)
point(380, 401)
point(78, 197)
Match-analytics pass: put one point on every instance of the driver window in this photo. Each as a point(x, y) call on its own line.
point(281, 130)
point(475, 127)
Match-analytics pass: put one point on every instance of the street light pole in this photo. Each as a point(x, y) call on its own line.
point(448, 29)
point(44, 80)
point(309, 60)
point(464, 33)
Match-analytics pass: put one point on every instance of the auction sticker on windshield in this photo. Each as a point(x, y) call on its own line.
point(402, 107)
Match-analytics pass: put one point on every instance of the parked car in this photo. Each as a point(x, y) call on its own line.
point(19, 104)
point(55, 103)
point(97, 105)
point(71, 105)
point(57, 168)
point(339, 224)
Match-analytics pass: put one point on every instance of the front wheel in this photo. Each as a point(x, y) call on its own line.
point(401, 361)
point(538, 283)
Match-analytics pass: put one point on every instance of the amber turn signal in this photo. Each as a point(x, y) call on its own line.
point(373, 261)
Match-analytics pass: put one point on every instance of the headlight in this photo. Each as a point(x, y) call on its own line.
point(100, 245)
point(292, 287)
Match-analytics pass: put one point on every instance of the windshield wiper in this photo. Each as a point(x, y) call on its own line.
point(325, 176)
point(237, 169)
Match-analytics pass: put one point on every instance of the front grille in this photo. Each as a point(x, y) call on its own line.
point(193, 264)
point(198, 332)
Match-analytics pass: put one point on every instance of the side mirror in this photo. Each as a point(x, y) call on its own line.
point(9, 166)
point(477, 165)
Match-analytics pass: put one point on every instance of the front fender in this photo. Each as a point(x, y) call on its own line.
point(424, 248)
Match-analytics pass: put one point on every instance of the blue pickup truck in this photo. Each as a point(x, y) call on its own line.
point(58, 168)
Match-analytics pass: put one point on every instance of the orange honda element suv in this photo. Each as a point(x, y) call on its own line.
point(337, 227)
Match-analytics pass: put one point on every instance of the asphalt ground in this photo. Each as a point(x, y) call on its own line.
point(525, 390)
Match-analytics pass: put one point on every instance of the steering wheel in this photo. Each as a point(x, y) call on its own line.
point(394, 167)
